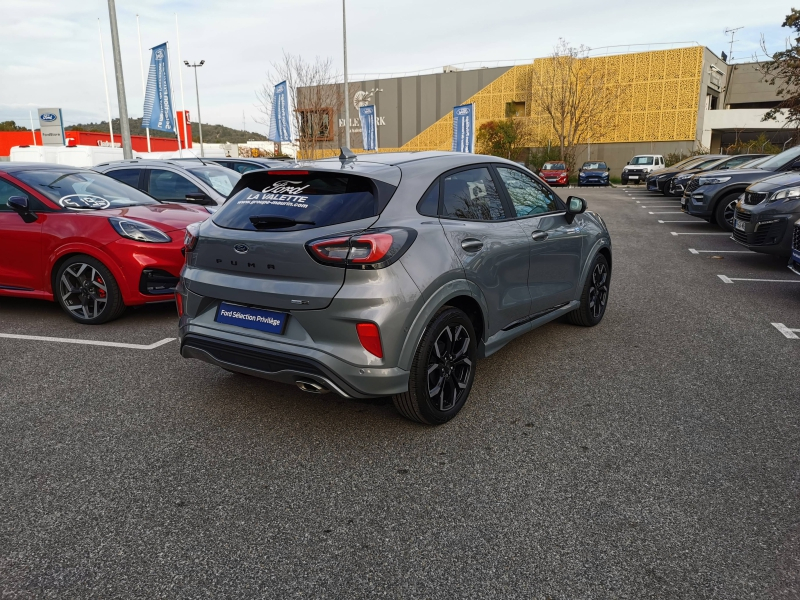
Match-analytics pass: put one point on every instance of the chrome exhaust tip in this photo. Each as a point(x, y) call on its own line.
point(312, 387)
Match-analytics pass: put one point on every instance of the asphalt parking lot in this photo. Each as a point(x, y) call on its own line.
point(654, 456)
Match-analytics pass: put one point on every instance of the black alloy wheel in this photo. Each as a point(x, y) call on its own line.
point(594, 298)
point(726, 210)
point(87, 291)
point(442, 371)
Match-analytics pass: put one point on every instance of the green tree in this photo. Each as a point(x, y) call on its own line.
point(784, 72)
point(11, 126)
point(504, 138)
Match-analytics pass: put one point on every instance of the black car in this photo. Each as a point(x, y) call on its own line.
point(794, 259)
point(679, 182)
point(766, 213)
point(713, 195)
point(659, 181)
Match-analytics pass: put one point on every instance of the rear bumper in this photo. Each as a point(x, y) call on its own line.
point(289, 364)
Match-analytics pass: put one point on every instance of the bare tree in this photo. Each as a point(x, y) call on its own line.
point(315, 97)
point(572, 91)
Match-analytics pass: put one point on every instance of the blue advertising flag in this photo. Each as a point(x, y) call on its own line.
point(158, 96)
point(464, 128)
point(369, 130)
point(280, 124)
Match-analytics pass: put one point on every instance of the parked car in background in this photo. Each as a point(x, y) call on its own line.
point(713, 195)
point(658, 180)
point(593, 173)
point(640, 166)
point(183, 180)
point(678, 183)
point(766, 212)
point(555, 173)
point(794, 259)
point(243, 165)
point(387, 275)
point(665, 177)
point(87, 241)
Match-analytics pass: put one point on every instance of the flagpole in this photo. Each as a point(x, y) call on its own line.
point(180, 75)
point(105, 80)
point(346, 88)
point(33, 131)
point(144, 85)
point(172, 103)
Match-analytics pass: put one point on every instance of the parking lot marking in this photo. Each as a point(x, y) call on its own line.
point(699, 233)
point(39, 338)
point(689, 222)
point(789, 333)
point(732, 279)
point(693, 251)
point(665, 212)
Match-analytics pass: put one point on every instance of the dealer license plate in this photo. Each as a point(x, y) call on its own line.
point(737, 224)
point(251, 318)
point(633, 177)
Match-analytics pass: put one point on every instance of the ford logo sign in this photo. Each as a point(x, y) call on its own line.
point(241, 248)
point(48, 117)
point(462, 111)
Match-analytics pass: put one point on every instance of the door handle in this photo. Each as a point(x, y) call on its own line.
point(471, 244)
point(539, 236)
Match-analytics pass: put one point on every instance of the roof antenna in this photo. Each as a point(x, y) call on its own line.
point(346, 154)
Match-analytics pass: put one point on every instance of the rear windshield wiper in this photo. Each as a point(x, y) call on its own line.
point(264, 222)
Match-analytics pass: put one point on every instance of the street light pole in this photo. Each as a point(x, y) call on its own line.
point(346, 88)
point(197, 93)
point(124, 124)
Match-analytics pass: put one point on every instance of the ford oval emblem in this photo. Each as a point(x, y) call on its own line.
point(48, 117)
point(241, 248)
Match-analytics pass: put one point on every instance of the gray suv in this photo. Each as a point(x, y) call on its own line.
point(387, 275)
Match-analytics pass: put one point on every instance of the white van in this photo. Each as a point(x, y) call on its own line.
point(640, 166)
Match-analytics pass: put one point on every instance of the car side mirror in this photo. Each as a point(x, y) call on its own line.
point(199, 198)
point(19, 204)
point(627, 163)
point(575, 206)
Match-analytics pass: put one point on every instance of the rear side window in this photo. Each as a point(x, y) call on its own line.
point(293, 200)
point(472, 195)
point(429, 205)
point(129, 176)
point(166, 185)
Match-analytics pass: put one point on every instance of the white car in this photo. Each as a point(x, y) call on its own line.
point(640, 166)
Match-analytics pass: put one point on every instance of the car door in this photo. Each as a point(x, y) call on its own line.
point(556, 245)
point(20, 243)
point(492, 247)
point(131, 176)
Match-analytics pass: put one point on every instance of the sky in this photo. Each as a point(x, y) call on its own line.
point(50, 49)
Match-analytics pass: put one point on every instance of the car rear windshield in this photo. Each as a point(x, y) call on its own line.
point(219, 178)
point(84, 190)
point(293, 200)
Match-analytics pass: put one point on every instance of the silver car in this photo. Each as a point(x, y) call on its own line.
point(387, 275)
point(181, 180)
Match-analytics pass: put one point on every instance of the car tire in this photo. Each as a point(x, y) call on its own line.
point(87, 291)
point(726, 208)
point(444, 363)
point(594, 297)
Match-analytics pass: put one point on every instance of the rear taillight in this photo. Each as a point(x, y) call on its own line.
point(190, 237)
point(374, 249)
point(370, 337)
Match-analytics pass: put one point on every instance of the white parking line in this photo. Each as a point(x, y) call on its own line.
point(39, 338)
point(693, 251)
point(732, 279)
point(789, 333)
point(665, 212)
point(688, 222)
point(659, 206)
point(699, 233)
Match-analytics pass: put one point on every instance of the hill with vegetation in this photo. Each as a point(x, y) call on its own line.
point(212, 134)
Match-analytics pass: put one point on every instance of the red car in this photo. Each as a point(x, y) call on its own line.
point(87, 241)
point(554, 173)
